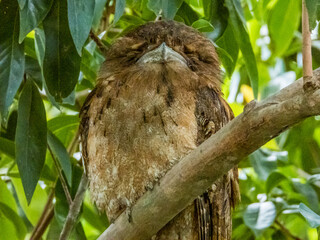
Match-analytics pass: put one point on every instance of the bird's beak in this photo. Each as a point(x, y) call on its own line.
point(162, 54)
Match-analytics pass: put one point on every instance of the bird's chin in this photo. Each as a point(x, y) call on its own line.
point(163, 54)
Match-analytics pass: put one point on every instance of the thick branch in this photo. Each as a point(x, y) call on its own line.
point(196, 172)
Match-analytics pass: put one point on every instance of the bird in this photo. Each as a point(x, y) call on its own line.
point(157, 97)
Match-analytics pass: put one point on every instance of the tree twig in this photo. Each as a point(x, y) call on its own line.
point(286, 231)
point(306, 47)
point(74, 209)
point(197, 171)
point(62, 179)
point(103, 48)
point(44, 219)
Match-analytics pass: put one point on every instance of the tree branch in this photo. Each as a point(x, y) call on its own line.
point(259, 123)
point(306, 42)
point(74, 209)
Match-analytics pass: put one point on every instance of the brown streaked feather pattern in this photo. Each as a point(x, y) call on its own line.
point(140, 120)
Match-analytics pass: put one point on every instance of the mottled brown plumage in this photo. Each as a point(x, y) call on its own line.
point(145, 115)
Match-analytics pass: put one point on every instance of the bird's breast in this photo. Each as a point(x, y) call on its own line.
point(138, 130)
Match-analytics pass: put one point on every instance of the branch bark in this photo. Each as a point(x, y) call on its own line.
point(306, 43)
point(74, 209)
point(259, 123)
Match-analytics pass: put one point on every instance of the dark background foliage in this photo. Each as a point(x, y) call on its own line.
point(48, 65)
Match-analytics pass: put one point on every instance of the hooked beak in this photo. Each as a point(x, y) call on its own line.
point(162, 54)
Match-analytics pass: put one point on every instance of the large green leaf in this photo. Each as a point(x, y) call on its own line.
point(227, 43)
point(282, 24)
point(216, 12)
point(61, 154)
point(31, 137)
point(120, 6)
point(312, 6)
point(309, 193)
point(312, 218)
point(11, 53)
point(61, 64)
point(80, 17)
point(242, 37)
point(167, 8)
point(32, 13)
point(259, 216)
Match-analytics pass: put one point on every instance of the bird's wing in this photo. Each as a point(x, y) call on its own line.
point(214, 206)
point(84, 124)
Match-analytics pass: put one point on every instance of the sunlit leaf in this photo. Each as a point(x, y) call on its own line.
point(32, 13)
point(80, 16)
point(11, 53)
point(31, 137)
point(33, 210)
point(61, 64)
point(243, 40)
point(283, 24)
point(312, 218)
point(8, 215)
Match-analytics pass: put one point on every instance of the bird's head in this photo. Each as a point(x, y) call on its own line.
point(163, 44)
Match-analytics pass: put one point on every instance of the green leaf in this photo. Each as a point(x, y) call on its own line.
point(7, 147)
point(32, 13)
point(11, 54)
point(98, 11)
point(259, 216)
point(263, 163)
point(217, 14)
point(39, 45)
point(6, 196)
point(22, 3)
point(187, 14)
point(273, 180)
point(309, 193)
point(33, 71)
point(283, 24)
point(120, 6)
point(61, 154)
point(33, 210)
point(312, 218)
point(243, 40)
point(10, 215)
point(227, 43)
point(80, 17)
point(312, 6)
point(202, 25)
point(61, 64)
point(61, 123)
point(168, 8)
point(31, 137)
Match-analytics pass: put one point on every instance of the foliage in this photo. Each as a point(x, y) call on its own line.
point(48, 64)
